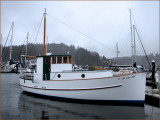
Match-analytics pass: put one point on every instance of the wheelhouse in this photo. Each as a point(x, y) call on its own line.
point(53, 63)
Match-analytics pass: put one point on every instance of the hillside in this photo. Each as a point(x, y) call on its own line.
point(80, 55)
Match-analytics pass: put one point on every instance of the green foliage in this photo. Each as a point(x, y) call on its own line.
point(91, 68)
point(80, 56)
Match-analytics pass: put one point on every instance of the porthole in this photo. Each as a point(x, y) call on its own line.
point(59, 75)
point(83, 75)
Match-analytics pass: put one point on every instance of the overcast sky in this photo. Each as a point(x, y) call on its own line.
point(104, 21)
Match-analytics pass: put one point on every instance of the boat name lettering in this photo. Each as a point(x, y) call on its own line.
point(128, 77)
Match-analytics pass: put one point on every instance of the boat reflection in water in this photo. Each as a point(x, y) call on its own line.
point(38, 107)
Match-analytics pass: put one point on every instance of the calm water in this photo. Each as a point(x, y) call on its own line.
point(17, 104)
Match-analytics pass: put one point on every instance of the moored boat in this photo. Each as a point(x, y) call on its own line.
point(54, 77)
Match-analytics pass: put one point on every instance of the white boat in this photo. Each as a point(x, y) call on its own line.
point(54, 77)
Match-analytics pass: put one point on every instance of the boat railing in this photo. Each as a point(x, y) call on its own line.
point(27, 76)
point(71, 71)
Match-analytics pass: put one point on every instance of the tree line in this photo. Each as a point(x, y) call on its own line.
point(80, 56)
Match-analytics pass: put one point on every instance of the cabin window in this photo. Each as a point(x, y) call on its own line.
point(46, 60)
point(54, 60)
point(59, 60)
point(70, 59)
point(65, 60)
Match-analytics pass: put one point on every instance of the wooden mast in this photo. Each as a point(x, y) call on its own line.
point(44, 49)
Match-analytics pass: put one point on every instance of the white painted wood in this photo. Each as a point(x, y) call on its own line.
point(60, 67)
point(133, 88)
point(95, 85)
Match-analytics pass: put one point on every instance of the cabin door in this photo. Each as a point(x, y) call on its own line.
point(46, 68)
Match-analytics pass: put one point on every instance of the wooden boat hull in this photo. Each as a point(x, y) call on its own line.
point(129, 87)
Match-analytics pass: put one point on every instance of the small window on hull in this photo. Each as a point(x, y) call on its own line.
point(59, 76)
point(83, 75)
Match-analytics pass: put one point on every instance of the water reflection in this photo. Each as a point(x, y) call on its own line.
point(43, 108)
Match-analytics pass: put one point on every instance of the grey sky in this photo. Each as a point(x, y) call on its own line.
point(105, 21)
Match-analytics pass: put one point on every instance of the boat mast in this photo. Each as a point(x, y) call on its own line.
point(27, 45)
point(134, 46)
point(11, 42)
point(117, 54)
point(131, 36)
point(44, 50)
point(1, 49)
point(47, 44)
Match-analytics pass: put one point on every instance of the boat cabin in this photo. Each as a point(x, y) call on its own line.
point(53, 63)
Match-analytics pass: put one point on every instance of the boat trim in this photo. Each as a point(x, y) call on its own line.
point(43, 88)
point(89, 78)
point(95, 78)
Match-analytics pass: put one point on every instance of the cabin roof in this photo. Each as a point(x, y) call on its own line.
point(53, 55)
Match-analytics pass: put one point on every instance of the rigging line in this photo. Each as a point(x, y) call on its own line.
point(38, 29)
point(7, 39)
point(143, 47)
point(35, 29)
point(10, 39)
point(136, 25)
point(139, 36)
point(80, 32)
point(22, 48)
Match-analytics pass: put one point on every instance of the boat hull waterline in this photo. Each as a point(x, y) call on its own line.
point(129, 87)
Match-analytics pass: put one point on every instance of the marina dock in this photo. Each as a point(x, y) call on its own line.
point(152, 97)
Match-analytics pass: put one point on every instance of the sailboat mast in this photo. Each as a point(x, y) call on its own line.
point(134, 45)
point(44, 50)
point(1, 49)
point(131, 36)
point(117, 53)
point(27, 45)
point(11, 42)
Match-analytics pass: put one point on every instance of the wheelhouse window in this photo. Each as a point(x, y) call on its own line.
point(54, 60)
point(59, 60)
point(46, 60)
point(65, 60)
